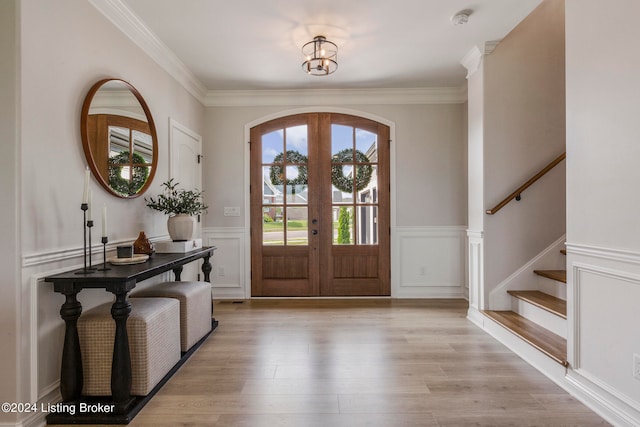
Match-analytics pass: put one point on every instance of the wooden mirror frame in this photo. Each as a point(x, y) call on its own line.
point(86, 143)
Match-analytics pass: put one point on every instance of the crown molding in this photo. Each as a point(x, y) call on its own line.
point(490, 46)
point(472, 60)
point(135, 29)
point(247, 98)
point(127, 22)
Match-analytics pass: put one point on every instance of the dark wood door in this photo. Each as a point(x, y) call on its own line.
point(320, 206)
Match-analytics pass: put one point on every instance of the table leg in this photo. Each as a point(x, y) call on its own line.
point(206, 268)
point(177, 272)
point(121, 363)
point(71, 375)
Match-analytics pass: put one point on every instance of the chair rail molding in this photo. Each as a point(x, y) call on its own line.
point(56, 255)
point(621, 255)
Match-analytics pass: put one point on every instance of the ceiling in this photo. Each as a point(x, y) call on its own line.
point(256, 44)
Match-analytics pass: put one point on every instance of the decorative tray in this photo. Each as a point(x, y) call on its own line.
point(135, 259)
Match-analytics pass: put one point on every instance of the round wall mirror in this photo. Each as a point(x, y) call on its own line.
point(119, 138)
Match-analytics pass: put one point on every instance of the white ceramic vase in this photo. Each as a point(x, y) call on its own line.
point(181, 227)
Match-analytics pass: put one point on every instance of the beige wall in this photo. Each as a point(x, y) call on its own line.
point(430, 168)
point(524, 130)
point(66, 46)
point(603, 226)
point(80, 48)
point(9, 187)
point(604, 117)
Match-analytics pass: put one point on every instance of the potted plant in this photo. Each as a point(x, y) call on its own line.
point(181, 206)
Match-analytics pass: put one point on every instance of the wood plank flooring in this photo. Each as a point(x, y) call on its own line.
point(339, 363)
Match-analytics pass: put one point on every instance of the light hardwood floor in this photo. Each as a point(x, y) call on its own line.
point(351, 363)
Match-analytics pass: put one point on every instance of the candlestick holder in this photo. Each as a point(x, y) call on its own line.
point(84, 207)
point(105, 239)
point(89, 227)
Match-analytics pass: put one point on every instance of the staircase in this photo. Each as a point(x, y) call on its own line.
point(539, 316)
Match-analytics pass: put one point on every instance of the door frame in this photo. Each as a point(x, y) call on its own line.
point(394, 262)
point(175, 127)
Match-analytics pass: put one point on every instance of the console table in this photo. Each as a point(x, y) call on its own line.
point(119, 280)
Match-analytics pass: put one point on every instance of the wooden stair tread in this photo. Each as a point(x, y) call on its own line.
point(544, 340)
point(547, 302)
point(559, 275)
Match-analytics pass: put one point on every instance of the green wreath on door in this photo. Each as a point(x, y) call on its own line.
point(139, 174)
point(364, 171)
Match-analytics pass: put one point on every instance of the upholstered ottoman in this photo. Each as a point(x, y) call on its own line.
point(153, 328)
point(195, 307)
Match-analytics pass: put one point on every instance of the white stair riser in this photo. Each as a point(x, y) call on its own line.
point(542, 317)
point(552, 287)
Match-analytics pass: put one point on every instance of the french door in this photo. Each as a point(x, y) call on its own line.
point(320, 206)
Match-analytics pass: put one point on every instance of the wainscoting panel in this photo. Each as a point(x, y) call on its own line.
point(228, 275)
point(476, 269)
point(431, 262)
point(604, 332)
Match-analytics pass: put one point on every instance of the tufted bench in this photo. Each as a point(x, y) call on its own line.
point(153, 328)
point(195, 307)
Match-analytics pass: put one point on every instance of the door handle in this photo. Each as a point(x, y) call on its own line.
point(314, 232)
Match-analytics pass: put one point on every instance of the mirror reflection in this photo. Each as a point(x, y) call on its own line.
point(119, 138)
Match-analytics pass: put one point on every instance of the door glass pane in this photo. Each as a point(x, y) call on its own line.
point(272, 145)
point(342, 225)
point(367, 183)
point(272, 225)
point(341, 140)
point(118, 140)
point(367, 225)
point(367, 143)
point(297, 226)
point(272, 184)
point(142, 147)
point(342, 183)
point(297, 142)
point(297, 194)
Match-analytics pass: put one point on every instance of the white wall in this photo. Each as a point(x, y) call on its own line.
point(602, 203)
point(428, 177)
point(66, 46)
point(9, 187)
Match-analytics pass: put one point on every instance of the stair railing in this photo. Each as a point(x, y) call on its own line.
point(516, 194)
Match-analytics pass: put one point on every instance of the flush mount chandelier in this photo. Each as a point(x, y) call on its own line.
point(321, 56)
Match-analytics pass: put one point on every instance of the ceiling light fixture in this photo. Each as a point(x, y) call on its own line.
point(321, 56)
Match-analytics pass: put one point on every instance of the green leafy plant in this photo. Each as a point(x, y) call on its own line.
point(175, 200)
point(344, 220)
